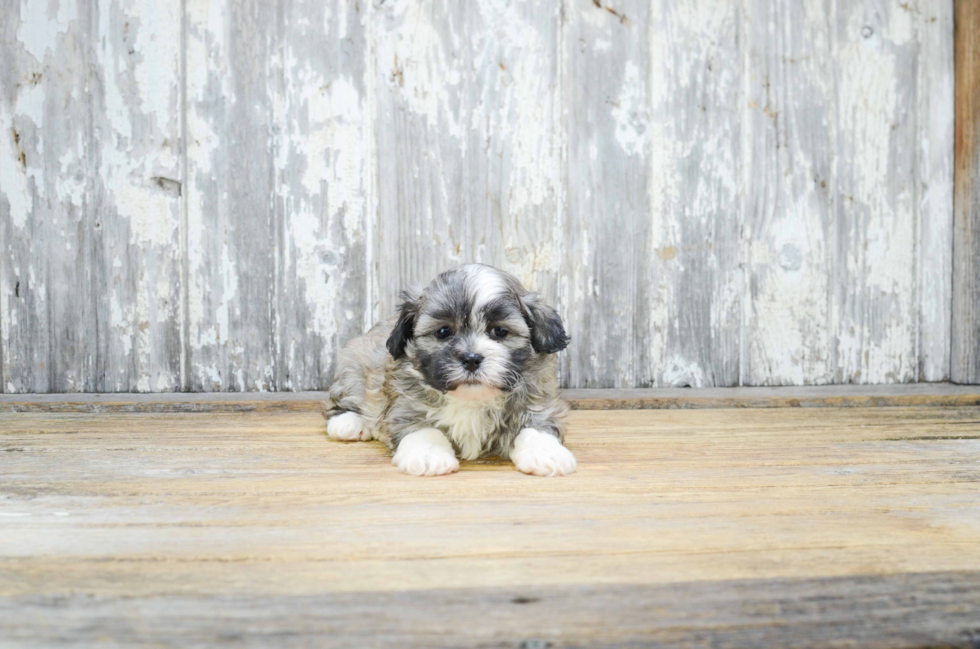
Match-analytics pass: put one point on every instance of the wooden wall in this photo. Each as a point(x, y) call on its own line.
point(216, 194)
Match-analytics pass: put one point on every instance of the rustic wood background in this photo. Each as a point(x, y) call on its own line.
point(214, 195)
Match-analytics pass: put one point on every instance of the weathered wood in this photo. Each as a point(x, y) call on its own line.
point(877, 194)
point(231, 226)
point(324, 186)
point(720, 527)
point(789, 187)
point(216, 195)
point(966, 234)
point(902, 395)
point(934, 97)
point(935, 609)
point(468, 145)
point(90, 183)
point(605, 87)
point(688, 265)
point(47, 198)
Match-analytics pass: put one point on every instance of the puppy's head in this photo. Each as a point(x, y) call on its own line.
point(474, 330)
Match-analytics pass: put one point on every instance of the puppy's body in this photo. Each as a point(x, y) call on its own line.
point(470, 358)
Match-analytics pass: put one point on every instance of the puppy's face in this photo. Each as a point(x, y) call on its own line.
point(473, 331)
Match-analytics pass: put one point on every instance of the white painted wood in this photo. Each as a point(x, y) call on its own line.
point(324, 186)
point(876, 215)
point(689, 272)
point(89, 138)
point(467, 128)
point(788, 185)
point(215, 195)
point(935, 98)
point(607, 97)
point(231, 256)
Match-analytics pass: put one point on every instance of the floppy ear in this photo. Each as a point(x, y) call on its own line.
point(402, 332)
point(547, 332)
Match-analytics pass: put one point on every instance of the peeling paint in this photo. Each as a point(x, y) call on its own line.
point(712, 193)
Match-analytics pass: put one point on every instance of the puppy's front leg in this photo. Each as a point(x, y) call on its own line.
point(540, 453)
point(425, 452)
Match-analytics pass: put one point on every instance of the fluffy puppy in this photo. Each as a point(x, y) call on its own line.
point(466, 368)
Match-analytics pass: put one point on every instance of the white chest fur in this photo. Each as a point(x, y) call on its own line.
point(468, 423)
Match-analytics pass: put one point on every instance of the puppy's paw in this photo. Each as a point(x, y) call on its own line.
point(425, 452)
point(348, 427)
point(541, 454)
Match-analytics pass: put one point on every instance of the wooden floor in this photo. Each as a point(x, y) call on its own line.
point(819, 527)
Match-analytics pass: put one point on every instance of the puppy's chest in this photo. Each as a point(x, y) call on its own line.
point(469, 425)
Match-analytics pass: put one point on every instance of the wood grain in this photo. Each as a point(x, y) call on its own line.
point(934, 95)
point(231, 229)
point(215, 195)
point(689, 277)
point(89, 286)
point(606, 87)
point(789, 194)
point(324, 186)
point(966, 234)
point(879, 396)
point(937, 610)
point(752, 522)
point(468, 143)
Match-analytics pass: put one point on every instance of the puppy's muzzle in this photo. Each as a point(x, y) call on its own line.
point(471, 361)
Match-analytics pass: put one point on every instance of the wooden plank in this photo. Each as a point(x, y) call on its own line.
point(877, 202)
point(688, 257)
point(755, 525)
point(231, 225)
point(135, 264)
point(966, 235)
point(911, 394)
point(91, 139)
point(468, 146)
point(47, 199)
point(606, 78)
point(936, 610)
point(789, 180)
point(935, 98)
point(325, 185)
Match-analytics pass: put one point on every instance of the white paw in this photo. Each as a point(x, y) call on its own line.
point(541, 454)
point(348, 427)
point(425, 452)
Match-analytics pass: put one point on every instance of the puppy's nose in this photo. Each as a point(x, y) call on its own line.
point(472, 361)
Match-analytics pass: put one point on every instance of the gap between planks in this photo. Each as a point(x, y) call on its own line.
point(903, 395)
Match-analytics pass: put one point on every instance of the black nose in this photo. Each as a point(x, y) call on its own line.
point(472, 361)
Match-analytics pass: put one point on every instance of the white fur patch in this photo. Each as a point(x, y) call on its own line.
point(425, 452)
point(484, 284)
point(348, 427)
point(468, 422)
point(541, 454)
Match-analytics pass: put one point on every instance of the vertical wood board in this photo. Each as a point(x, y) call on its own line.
point(689, 268)
point(232, 250)
point(468, 143)
point(324, 186)
point(788, 185)
point(966, 234)
point(606, 90)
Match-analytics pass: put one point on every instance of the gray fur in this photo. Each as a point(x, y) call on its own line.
point(397, 376)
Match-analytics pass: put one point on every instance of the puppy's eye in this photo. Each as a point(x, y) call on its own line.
point(443, 333)
point(498, 333)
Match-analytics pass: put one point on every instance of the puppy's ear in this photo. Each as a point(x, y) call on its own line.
point(402, 332)
point(547, 332)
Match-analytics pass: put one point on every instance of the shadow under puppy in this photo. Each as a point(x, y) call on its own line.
point(467, 368)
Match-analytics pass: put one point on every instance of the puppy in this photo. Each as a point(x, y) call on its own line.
point(466, 368)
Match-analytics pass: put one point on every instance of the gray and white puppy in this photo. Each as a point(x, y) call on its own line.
point(466, 368)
